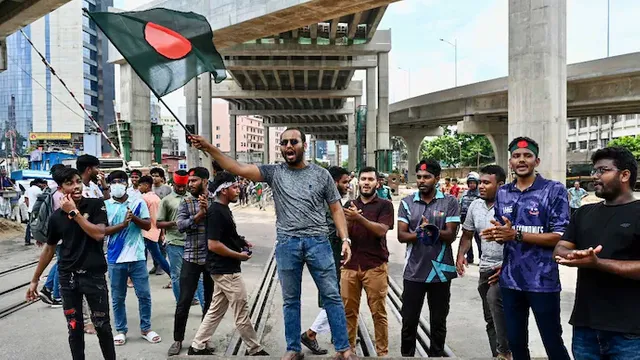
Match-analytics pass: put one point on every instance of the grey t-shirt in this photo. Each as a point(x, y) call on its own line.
point(162, 190)
point(300, 196)
point(479, 217)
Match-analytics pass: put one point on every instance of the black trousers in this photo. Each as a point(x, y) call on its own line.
point(93, 286)
point(189, 277)
point(438, 296)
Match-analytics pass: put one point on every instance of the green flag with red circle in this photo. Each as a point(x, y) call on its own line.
point(166, 48)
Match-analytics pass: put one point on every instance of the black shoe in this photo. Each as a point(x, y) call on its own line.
point(45, 296)
point(259, 353)
point(312, 344)
point(56, 304)
point(204, 351)
point(175, 348)
point(28, 243)
point(159, 271)
point(152, 271)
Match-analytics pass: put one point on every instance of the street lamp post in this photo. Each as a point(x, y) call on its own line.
point(455, 54)
point(408, 79)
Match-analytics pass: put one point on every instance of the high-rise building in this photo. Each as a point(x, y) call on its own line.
point(78, 52)
point(585, 135)
point(321, 149)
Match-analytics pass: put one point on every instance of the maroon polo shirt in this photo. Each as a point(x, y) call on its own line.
point(369, 251)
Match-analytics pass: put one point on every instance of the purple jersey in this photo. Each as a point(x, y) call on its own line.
point(542, 208)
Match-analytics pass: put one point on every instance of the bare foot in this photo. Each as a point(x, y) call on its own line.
point(90, 329)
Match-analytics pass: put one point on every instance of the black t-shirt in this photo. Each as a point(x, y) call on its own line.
point(221, 227)
point(605, 301)
point(78, 250)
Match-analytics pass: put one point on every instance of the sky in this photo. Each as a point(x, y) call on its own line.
point(420, 63)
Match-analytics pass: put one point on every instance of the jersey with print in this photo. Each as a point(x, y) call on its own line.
point(126, 245)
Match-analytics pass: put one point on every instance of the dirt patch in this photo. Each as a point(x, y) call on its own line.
point(9, 229)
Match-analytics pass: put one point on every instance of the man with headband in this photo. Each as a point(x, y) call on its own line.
point(227, 250)
point(428, 223)
point(531, 214)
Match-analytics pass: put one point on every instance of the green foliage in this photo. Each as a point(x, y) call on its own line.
point(632, 143)
point(453, 149)
point(345, 164)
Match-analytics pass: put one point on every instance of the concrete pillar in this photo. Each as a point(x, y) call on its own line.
point(499, 143)
point(135, 108)
point(538, 79)
point(383, 101)
point(414, 139)
point(351, 142)
point(267, 145)
point(313, 148)
point(191, 95)
point(3, 54)
point(206, 118)
point(338, 154)
point(372, 132)
point(233, 144)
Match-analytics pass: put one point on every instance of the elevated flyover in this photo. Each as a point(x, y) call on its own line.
point(16, 14)
point(609, 86)
point(291, 62)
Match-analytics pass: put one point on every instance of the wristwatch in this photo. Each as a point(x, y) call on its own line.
point(73, 213)
point(518, 236)
point(347, 240)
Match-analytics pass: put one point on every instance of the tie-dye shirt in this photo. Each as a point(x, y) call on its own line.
point(541, 208)
point(128, 244)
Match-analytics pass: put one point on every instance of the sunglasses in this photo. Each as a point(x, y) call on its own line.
point(293, 142)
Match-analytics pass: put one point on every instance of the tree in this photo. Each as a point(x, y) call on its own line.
point(632, 143)
point(398, 144)
point(453, 149)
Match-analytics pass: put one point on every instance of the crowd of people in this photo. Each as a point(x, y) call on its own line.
point(336, 223)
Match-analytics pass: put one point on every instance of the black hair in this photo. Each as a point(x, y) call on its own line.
point(157, 170)
point(454, 179)
point(337, 172)
point(622, 158)
point(118, 174)
point(64, 174)
point(146, 180)
point(181, 172)
point(432, 165)
point(216, 167)
point(303, 136)
point(447, 179)
point(136, 171)
point(55, 168)
point(86, 161)
point(221, 178)
point(200, 172)
point(527, 139)
point(496, 170)
point(367, 169)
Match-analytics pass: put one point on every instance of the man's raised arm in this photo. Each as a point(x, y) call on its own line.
point(248, 171)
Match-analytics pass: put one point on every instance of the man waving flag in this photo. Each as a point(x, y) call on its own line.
point(166, 48)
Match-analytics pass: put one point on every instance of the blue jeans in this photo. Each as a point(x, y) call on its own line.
point(137, 271)
point(291, 255)
point(174, 253)
point(546, 310)
point(154, 249)
point(589, 344)
point(53, 280)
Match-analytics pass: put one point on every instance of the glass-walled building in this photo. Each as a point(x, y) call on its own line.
point(78, 52)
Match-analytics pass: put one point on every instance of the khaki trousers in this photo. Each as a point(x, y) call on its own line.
point(375, 284)
point(229, 290)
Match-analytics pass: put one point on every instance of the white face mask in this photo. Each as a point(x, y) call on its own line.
point(118, 190)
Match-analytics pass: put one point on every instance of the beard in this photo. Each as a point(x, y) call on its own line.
point(369, 194)
point(609, 192)
point(198, 191)
point(296, 160)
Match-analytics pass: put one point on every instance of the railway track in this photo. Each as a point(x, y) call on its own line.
point(23, 303)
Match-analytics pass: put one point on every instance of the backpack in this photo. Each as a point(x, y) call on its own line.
point(42, 210)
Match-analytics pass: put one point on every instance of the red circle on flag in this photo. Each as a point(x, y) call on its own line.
point(166, 42)
point(523, 144)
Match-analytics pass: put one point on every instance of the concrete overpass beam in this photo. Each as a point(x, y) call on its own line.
point(207, 113)
point(135, 102)
point(372, 131)
point(538, 79)
point(499, 143)
point(231, 90)
point(3, 55)
point(383, 101)
point(495, 130)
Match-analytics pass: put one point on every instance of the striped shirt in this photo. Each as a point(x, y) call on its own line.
point(429, 263)
point(195, 243)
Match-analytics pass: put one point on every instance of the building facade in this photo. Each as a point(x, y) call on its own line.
point(33, 100)
point(588, 134)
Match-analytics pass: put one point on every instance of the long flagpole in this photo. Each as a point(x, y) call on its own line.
point(88, 114)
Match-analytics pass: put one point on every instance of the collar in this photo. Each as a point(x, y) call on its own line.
point(128, 201)
point(439, 195)
point(375, 199)
point(538, 184)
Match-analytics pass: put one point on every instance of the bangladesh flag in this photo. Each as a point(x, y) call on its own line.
point(166, 48)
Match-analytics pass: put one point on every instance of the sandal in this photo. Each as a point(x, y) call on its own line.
point(120, 339)
point(168, 286)
point(90, 329)
point(152, 337)
point(129, 283)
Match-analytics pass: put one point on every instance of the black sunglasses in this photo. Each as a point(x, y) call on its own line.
point(293, 142)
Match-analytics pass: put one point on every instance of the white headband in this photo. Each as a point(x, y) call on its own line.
point(223, 186)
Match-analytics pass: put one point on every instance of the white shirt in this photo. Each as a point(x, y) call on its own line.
point(32, 194)
point(92, 191)
point(134, 193)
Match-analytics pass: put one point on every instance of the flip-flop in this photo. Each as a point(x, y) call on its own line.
point(120, 339)
point(90, 329)
point(150, 336)
point(168, 286)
